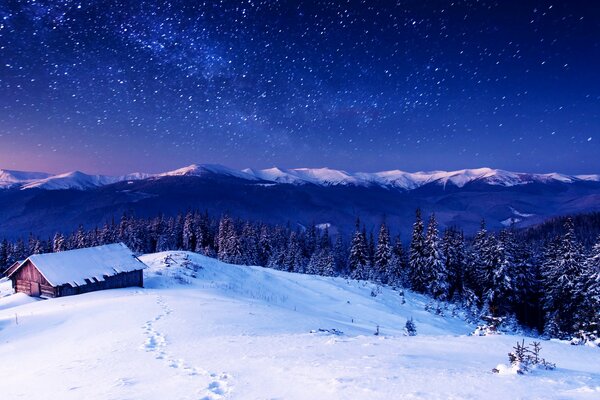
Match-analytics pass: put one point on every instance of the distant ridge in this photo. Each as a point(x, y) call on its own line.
point(396, 179)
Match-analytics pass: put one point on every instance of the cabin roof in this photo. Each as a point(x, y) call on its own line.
point(75, 266)
point(12, 267)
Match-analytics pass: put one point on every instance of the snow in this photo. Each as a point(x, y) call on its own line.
point(80, 181)
point(10, 178)
point(591, 178)
point(317, 176)
point(298, 176)
point(509, 221)
point(202, 329)
point(409, 180)
point(74, 266)
point(204, 169)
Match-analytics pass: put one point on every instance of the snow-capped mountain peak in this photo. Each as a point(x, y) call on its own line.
point(391, 179)
point(70, 180)
point(206, 169)
point(9, 178)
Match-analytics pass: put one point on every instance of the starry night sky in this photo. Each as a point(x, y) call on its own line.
point(120, 86)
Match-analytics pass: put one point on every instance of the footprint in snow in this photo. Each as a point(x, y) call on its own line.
point(219, 385)
point(218, 388)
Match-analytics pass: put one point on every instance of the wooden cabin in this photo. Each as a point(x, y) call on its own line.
point(14, 266)
point(78, 271)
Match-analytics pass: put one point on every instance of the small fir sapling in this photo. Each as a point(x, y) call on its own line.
point(410, 328)
point(523, 359)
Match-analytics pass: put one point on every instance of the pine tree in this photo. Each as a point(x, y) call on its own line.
point(32, 244)
point(4, 255)
point(525, 278)
point(339, 255)
point(294, 260)
point(410, 328)
point(500, 291)
point(383, 255)
point(417, 261)
point(562, 297)
point(189, 232)
point(228, 243)
point(435, 273)
point(358, 260)
point(19, 252)
point(398, 274)
point(454, 254)
point(370, 254)
point(201, 234)
point(588, 317)
point(265, 248)
point(310, 244)
point(249, 243)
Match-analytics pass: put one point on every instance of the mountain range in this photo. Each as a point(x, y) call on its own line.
point(301, 196)
point(393, 179)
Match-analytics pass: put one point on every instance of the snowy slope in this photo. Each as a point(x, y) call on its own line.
point(202, 329)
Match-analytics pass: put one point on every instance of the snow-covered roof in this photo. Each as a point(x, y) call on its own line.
point(74, 266)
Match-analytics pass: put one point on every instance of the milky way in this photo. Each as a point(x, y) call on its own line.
point(116, 86)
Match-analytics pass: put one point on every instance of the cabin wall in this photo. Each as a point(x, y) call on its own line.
point(122, 280)
point(30, 281)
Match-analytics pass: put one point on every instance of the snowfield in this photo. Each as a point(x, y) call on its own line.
point(202, 329)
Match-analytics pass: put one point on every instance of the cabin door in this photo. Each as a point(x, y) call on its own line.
point(35, 289)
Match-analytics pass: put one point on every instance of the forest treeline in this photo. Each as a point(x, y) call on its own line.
point(545, 279)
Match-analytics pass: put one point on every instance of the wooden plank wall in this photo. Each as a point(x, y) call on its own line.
point(27, 274)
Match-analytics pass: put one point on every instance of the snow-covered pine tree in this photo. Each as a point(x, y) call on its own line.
point(277, 259)
point(105, 235)
point(340, 256)
point(32, 244)
point(371, 253)
point(79, 239)
point(410, 328)
point(562, 298)
point(453, 247)
point(58, 243)
point(435, 269)
point(188, 232)
point(397, 273)
point(18, 252)
point(500, 291)
point(322, 262)
point(417, 264)
point(310, 242)
point(38, 247)
point(4, 255)
point(325, 240)
point(249, 243)
point(265, 247)
point(202, 233)
point(475, 255)
point(358, 260)
point(294, 260)
point(228, 243)
point(383, 255)
point(488, 272)
point(588, 316)
point(525, 276)
point(327, 260)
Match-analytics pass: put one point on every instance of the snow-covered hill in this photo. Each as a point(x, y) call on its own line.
point(298, 176)
point(202, 329)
